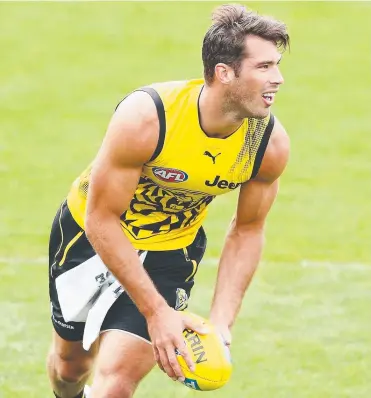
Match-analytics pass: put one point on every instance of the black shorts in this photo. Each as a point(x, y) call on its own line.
point(172, 272)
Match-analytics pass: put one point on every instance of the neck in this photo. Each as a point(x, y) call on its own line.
point(215, 120)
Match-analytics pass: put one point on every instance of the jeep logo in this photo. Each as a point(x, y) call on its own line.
point(222, 184)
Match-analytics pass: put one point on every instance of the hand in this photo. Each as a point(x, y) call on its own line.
point(224, 331)
point(165, 328)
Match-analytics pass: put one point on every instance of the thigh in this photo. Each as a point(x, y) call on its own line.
point(123, 360)
point(173, 273)
point(68, 248)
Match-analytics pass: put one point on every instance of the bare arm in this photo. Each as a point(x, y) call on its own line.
point(130, 141)
point(245, 238)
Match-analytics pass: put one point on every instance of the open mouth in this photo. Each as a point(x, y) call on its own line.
point(268, 98)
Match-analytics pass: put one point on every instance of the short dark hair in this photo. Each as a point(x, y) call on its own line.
point(225, 40)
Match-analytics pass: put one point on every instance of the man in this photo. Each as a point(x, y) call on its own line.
point(126, 244)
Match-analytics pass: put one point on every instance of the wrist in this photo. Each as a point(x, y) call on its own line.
point(218, 317)
point(154, 307)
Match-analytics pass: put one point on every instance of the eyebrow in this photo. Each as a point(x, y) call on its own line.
point(270, 62)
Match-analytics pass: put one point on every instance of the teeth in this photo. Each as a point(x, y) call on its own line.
point(269, 96)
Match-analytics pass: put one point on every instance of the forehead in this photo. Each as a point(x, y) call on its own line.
point(259, 49)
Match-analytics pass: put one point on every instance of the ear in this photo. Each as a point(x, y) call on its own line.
point(224, 73)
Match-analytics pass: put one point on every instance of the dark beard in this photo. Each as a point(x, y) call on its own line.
point(235, 103)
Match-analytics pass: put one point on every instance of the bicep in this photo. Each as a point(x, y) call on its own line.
point(112, 186)
point(130, 141)
point(254, 202)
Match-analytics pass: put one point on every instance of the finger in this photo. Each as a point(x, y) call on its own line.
point(166, 365)
point(173, 362)
point(183, 351)
point(157, 358)
point(197, 326)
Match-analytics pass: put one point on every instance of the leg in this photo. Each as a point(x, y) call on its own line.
point(69, 366)
point(123, 360)
point(125, 354)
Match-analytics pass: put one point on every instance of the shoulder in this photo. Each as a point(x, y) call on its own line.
point(138, 107)
point(276, 155)
point(132, 134)
point(135, 125)
point(176, 93)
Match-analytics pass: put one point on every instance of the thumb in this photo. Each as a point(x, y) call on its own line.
point(198, 325)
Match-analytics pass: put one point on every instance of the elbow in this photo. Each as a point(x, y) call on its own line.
point(94, 230)
point(251, 228)
point(241, 234)
point(93, 224)
point(255, 236)
point(99, 224)
point(90, 227)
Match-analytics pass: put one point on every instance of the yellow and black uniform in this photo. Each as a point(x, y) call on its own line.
point(186, 172)
point(165, 216)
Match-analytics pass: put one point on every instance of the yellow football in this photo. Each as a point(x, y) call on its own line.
point(213, 365)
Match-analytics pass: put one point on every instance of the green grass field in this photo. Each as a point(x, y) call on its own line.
point(304, 329)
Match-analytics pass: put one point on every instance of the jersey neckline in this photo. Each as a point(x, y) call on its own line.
point(229, 137)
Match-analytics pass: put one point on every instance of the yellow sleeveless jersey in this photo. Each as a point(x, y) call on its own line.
point(186, 172)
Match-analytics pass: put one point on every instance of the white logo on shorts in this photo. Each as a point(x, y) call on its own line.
point(64, 325)
point(181, 299)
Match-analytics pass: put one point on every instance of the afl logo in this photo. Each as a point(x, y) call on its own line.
point(170, 175)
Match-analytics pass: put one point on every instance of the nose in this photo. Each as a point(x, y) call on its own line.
point(277, 77)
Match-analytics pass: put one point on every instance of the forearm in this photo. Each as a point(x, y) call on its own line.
point(110, 243)
point(238, 262)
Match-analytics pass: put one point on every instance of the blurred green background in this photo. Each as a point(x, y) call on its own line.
point(304, 329)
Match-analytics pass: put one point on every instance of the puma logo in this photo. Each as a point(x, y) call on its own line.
point(207, 153)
